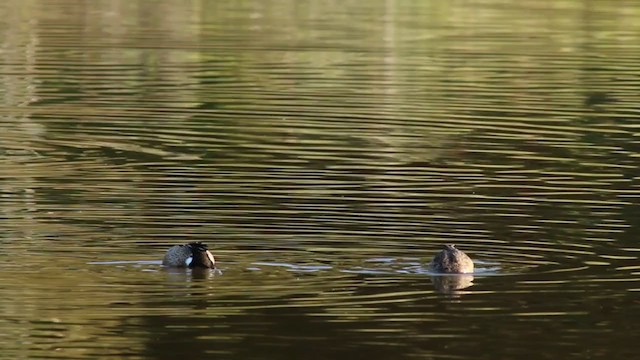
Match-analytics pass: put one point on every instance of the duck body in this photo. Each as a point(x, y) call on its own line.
point(191, 255)
point(452, 260)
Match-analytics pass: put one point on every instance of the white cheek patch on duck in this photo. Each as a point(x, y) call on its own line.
point(188, 261)
point(213, 261)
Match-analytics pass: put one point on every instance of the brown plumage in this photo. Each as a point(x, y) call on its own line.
point(452, 260)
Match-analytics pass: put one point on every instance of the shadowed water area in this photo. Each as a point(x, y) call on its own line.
point(325, 151)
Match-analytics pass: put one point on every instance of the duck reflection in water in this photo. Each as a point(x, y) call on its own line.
point(455, 267)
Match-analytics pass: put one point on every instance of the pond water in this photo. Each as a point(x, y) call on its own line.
point(325, 151)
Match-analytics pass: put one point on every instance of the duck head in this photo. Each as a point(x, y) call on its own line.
point(200, 256)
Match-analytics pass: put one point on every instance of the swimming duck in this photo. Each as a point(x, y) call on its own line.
point(452, 260)
point(191, 255)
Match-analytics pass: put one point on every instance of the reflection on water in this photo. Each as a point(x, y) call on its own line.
point(452, 284)
point(325, 151)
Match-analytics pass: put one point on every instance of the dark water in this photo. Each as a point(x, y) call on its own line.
point(325, 151)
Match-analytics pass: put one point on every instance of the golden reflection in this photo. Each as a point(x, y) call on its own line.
point(348, 126)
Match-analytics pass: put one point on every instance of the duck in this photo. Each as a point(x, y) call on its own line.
point(452, 260)
point(191, 255)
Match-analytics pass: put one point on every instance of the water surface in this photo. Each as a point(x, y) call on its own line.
point(325, 151)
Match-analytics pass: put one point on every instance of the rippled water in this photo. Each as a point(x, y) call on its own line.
point(325, 151)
